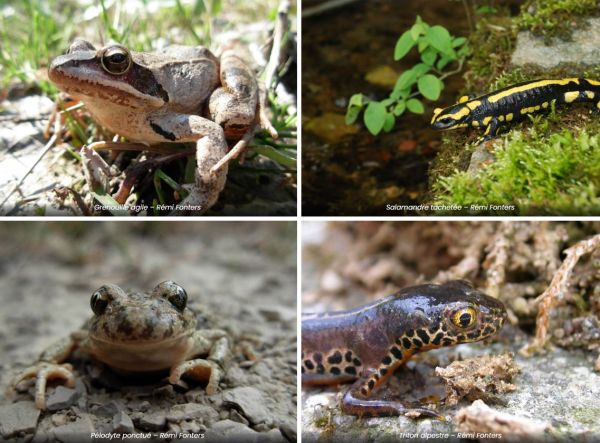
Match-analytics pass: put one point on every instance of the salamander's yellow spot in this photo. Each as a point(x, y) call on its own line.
point(537, 108)
point(545, 105)
point(486, 121)
point(495, 97)
point(501, 118)
point(509, 117)
point(436, 111)
point(463, 99)
point(593, 82)
point(571, 96)
point(460, 114)
point(474, 104)
point(524, 110)
point(475, 123)
point(590, 94)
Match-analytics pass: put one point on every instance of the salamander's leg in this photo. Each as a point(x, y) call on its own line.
point(491, 131)
point(355, 402)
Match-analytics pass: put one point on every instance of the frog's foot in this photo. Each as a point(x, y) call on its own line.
point(247, 349)
point(240, 149)
point(200, 369)
point(43, 372)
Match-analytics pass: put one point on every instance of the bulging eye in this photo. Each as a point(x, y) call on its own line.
point(99, 301)
point(446, 120)
point(116, 60)
point(463, 318)
point(176, 295)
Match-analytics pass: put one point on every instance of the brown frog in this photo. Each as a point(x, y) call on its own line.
point(136, 332)
point(181, 94)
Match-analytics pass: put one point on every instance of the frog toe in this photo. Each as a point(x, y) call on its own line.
point(42, 373)
point(201, 370)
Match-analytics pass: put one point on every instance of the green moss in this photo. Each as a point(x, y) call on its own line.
point(543, 172)
point(553, 18)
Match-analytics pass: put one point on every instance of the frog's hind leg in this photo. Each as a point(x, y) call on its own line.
point(355, 401)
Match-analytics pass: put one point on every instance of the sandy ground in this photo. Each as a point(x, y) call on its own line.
point(239, 275)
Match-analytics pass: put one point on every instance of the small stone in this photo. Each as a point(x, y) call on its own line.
point(261, 427)
point(62, 398)
point(59, 419)
point(40, 437)
point(18, 417)
point(122, 424)
point(250, 401)
point(236, 416)
point(192, 411)
point(153, 422)
point(190, 427)
point(236, 377)
point(227, 431)
point(107, 410)
point(224, 415)
point(77, 431)
point(273, 436)
point(331, 281)
point(288, 426)
point(164, 391)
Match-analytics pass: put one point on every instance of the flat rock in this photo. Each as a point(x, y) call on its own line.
point(107, 410)
point(62, 398)
point(193, 411)
point(78, 431)
point(582, 49)
point(153, 422)
point(227, 431)
point(122, 424)
point(18, 417)
point(250, 401)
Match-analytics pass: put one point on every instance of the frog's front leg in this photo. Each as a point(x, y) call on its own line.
point(208, 341)
point(210, 148)
point(48, 368)
point(356, 401)
point(237, 106)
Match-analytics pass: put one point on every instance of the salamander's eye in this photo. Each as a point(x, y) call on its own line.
point(463, 318)
point(446, 120)
point(116, 60)
point(99, 301)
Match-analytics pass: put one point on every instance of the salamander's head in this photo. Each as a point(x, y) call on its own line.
point(453, 117)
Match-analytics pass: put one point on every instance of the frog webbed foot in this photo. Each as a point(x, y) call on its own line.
point(43, 372)
point(200, 369)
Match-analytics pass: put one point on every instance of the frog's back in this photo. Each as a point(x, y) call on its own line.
point(338, 346)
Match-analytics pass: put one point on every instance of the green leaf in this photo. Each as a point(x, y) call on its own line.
point(352, 114)
point(389, 122)
point(356, 100)
point(458, 41)
point(423, 44)
point(375, 117)
point(420, 68)
point(416, 31)
point(428, 56)
point(415, 106)
point(406, 80)
point(429, 86)
point(400, 108)
point(442, 62)
point(440, 39)
point(404, 44)
point(387, 102)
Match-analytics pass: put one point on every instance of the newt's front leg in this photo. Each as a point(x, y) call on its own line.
point(356, 401)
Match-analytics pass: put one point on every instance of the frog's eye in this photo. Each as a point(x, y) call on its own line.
point(99, 301)
point(464, 317)
point(116, 60)
point(177, 296)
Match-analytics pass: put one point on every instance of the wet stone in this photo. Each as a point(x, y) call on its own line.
point(18, 417)
point(122, 424)
point(62, 398)
point(227, 431)
point(250, 401)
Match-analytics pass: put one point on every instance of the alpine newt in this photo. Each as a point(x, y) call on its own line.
point(369, 343)
point(513, 103)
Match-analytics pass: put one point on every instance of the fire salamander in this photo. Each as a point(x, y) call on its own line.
point(491, 111)
point(369, 343)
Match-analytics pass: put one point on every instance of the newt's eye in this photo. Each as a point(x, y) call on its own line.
point(463, 318)
point(99, 301)
point(116, 60)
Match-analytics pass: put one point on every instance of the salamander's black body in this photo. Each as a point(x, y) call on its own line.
point(368, 343)
point(491, 111)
